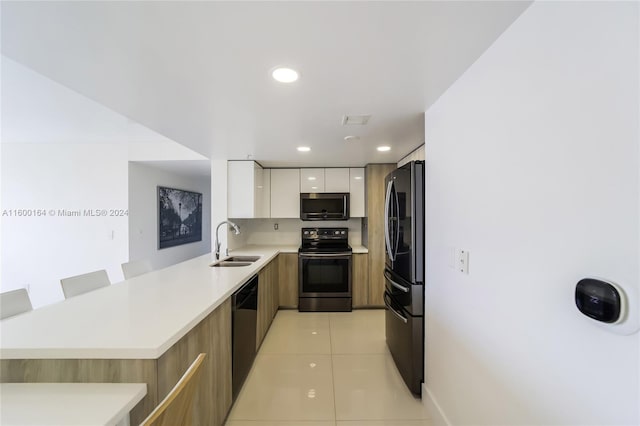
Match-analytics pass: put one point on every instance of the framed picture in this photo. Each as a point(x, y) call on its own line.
point(179, 217)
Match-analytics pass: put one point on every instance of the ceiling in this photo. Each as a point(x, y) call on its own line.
point(198, 72)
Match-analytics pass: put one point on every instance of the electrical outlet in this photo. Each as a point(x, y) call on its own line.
point(275, 226)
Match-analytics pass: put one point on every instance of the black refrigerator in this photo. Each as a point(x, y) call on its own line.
point(404, 271)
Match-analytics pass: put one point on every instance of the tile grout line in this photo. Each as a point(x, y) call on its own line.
point(333, 374)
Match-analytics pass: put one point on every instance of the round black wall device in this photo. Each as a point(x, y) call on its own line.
point(599, 300)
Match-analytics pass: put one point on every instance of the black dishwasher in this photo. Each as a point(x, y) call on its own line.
point(245, 315)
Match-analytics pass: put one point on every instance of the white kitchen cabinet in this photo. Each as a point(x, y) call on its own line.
point(285, 193)
point(336, 180)
point(356, 192)
point(266, 193)
point(246, 190)
point(324, 180)
point(312, 180)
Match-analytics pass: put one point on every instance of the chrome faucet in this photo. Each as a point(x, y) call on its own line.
point(217, 243)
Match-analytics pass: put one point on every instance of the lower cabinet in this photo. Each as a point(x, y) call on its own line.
point(288, 280)
point(268, 299)
point(212, 402)
point(360, 280)
point(212, 336)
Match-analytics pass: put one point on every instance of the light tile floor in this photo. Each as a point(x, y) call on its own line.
point(326, 369)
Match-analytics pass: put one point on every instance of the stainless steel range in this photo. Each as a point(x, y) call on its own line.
point(324, 270)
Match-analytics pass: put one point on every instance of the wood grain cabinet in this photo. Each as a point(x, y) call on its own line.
point(360, 280)
point(288, 280)
point(375, 193)
point(212, 336)
point(268, 299)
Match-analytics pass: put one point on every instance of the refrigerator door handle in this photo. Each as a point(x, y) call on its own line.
point(387, 237)
point(396, 313)
point(397, 236)
point(387, 275)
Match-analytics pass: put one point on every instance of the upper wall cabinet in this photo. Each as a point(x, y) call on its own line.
point(324, 180)
point(356, 190)
point(312, 180)
point(248, 190)
point(336, 180)
point(285, 193)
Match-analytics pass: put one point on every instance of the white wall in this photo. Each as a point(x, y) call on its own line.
point(61, 150)
point(532, 166)
point(218, 201)
point(143, 215)
point(38, 251)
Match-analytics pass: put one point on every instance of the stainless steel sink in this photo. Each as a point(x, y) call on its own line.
point(227, 263)
point(249, 259)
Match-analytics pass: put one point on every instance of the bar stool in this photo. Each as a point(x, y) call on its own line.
point(14, 302)
point(135, 268)
point(80, 284)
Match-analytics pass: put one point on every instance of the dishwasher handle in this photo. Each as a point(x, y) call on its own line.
point(245, 293)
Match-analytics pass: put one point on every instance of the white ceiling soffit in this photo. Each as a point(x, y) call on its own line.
point(36, 109)
point(190, 168)
point(199, 72)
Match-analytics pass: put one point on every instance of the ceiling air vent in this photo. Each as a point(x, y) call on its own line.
point(355, 120)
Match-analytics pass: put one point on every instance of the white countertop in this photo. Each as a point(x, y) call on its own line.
point(69, 404)
point(139, 318)
point(358, 249)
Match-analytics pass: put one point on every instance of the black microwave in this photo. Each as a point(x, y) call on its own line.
point(324, 206)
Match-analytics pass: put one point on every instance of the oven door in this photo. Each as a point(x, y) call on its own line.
point(324, 275)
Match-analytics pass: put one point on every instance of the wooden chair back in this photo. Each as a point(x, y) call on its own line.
point(14, 302)
point(176, 409)
point(80, 284)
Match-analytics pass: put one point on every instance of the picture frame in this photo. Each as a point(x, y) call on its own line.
point(179, 217)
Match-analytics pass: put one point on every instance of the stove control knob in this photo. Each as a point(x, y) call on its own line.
point(337, 232)
point(342, 232)
point(306, 232)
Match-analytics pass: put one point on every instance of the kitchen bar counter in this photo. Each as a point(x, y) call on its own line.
point(70, 404)
point(139, 318)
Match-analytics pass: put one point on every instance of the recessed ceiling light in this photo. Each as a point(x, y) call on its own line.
point(304, 149)
point(311, 178)
point(351, 138)
point(384, 148)
point(358, 177)
point(285, 75)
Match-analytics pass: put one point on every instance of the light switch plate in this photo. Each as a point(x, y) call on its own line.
point(462, 260)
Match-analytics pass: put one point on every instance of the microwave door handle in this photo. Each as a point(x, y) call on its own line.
point(387, 238)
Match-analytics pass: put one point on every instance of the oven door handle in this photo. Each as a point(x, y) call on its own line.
point(387, 275)
point(324, 255)
point(393, 311)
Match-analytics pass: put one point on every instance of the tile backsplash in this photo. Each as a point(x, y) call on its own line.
point(262, 232)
